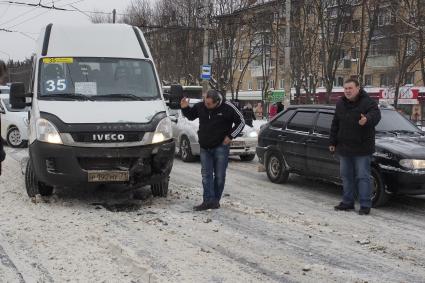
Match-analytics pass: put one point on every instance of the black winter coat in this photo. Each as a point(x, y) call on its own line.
point(216, 124)
point(2, 153)
point(347, 135)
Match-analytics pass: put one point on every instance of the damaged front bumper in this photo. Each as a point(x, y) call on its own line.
point(60, 165)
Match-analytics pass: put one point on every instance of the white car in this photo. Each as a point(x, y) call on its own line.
point(14, 124)
point(4, 91)
point(185, 133)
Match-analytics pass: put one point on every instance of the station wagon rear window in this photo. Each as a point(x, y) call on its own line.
point(97, 79)
point(324, 123)
point(302, 121)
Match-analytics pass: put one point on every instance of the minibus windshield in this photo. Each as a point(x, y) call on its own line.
point(77, 78)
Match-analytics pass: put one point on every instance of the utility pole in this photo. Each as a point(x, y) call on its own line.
point(360, 59)
point(114, 15)
point(205, 57)
point(287, 66)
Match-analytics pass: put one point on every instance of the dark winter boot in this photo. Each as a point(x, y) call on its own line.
point(344, 207)
point(203, 206)
point(364, 211)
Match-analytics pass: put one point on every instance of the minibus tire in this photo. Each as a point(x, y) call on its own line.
point(33, 186)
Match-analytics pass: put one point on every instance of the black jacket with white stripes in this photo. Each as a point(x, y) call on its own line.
point(216, 124)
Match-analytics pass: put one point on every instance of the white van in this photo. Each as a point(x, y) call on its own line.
point(97, 111)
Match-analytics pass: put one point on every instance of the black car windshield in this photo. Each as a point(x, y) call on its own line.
point(392, 121)
point(97, 79)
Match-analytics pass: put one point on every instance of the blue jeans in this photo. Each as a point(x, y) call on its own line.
point(355, 174)
point(214, 165)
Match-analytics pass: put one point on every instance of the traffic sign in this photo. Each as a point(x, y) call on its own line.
point(206, 72)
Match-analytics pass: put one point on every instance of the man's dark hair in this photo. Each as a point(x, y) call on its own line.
point(352, 80)
point(214, 95)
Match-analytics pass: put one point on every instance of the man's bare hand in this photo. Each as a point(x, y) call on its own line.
point(363, 120)
point(184, 103)
point(332, 149)
point(227, 141)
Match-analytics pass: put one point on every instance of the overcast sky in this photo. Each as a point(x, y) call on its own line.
point(30, 20)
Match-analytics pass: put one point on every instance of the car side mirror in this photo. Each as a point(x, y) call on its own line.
point(18, 96)
point(175, 96)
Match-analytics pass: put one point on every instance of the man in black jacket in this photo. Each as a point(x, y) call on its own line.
point(219, 123)
point(248, 115)
point(353, 138)
point(3, 71)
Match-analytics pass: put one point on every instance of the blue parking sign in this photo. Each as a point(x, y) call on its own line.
point(206, 72)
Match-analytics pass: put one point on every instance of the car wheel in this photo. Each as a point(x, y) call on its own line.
point(33, 186)
point(379, 195)
point(160, 189)
point(276, 168)
point(14, 138)
point(249, 157)
point(185, 150)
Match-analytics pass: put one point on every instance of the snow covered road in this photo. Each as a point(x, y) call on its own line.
point(263, 233)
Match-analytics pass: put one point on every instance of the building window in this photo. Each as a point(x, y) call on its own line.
point(241, 65)
point(354, 53)
point(339, 81)
point(385, 18)
point(341, 54)
point(410, 78)
point(282, 84)
point(271, 84)
point(260, 84)
point(249, 85)
point(368, 80)
point(411, 47)
point(356, 25)
point(386, 80)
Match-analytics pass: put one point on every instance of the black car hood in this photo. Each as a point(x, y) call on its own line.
point(403, 146)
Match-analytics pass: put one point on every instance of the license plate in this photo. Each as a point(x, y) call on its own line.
point(108, 176)
point(237, 144)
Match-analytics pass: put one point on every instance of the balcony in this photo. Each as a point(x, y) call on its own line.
point(382, 61)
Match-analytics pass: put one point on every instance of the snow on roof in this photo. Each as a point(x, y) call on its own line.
point(93, 40)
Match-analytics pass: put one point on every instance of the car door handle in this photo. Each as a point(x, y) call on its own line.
point(282, 136)
point(311, 141)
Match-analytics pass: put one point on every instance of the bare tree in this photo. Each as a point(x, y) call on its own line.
point(371, 9)
point(407, 51)
point(334, 18)
point(305, 51)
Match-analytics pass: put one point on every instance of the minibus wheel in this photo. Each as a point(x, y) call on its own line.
point(33, 186)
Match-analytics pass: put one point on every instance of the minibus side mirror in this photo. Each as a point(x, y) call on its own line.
point(175, 96)
point(18, 96)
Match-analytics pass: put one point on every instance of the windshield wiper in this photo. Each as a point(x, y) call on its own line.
point(398, 132)
point(72, 96)
point(121, 95)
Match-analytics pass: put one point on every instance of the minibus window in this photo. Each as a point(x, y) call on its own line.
point(97, 79)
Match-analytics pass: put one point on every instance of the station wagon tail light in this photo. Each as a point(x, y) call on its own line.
point(47, 132)
point(413, 163)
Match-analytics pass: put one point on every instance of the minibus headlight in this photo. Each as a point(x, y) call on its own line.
point(163, 131)
point(47, 132)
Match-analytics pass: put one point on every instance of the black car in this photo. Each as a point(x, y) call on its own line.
point(297, 141)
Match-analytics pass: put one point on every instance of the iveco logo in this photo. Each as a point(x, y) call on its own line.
point(108, 137)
